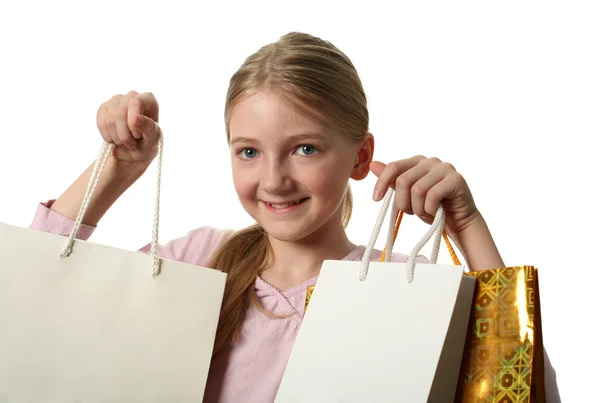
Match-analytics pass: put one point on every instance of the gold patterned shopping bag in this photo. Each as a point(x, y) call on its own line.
point(503, 358)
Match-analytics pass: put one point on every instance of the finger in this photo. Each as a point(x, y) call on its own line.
point(377, 167)
point(435, 196)
point(405, 182)
point(123, 132)
point(146, 128)
point(447, 188)
point(101, 123)
point(111, 127)
point(421, 189)
point(388, 175)
point(143, 104)
point(143, 116)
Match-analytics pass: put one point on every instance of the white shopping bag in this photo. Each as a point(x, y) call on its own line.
point(382, 331)
point(100, 324)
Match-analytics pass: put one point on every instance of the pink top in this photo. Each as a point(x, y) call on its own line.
point(252, 369)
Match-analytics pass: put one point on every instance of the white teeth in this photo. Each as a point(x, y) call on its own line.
point(282, 206)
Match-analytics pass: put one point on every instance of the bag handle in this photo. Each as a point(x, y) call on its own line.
point(436, 228)
point(386, 258)
point(105, 152)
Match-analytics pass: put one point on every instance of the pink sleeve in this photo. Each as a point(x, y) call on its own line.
point(47, 220)
point(195, 248)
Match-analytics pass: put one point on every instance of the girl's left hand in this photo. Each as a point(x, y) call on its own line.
point(421, 184)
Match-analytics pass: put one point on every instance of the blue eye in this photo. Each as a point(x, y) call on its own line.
point(248, 153)
point(307, 149)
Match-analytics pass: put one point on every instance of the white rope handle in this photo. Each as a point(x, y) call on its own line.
point(105, 152)
point(389, 244)
point(436, 228)
point(364, 266)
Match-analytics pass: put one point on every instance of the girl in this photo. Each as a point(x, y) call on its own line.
point(297, 126)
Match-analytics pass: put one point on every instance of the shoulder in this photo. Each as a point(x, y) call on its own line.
point(196, 247)
point(206, 240)
point(209, 234)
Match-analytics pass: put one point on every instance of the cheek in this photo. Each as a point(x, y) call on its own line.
point(329, 180)
point(243, 183)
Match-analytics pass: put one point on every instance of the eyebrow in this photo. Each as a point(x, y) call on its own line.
point(295, 137)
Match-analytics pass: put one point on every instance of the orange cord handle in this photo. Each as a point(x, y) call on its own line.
point(448, 244)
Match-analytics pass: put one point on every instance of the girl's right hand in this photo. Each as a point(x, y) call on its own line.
point(130, 122)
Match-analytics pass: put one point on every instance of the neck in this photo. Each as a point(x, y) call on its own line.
point(292, 263)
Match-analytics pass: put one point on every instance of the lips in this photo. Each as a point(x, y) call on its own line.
point(284, 205)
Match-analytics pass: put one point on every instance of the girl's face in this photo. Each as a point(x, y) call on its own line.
point(289, 171)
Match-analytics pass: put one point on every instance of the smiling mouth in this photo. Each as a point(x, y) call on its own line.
point(281, 206)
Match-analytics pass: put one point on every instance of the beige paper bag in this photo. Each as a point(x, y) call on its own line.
point(100, 324)
point(382, 331)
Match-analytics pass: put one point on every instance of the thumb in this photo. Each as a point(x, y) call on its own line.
point(145, 127)
point(377, 167)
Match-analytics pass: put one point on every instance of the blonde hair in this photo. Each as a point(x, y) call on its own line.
point(317, 78)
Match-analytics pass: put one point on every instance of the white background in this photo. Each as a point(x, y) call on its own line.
point(506, 91)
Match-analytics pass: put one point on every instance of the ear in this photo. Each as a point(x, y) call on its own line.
point(363, 158)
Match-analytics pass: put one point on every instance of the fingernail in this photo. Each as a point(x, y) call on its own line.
point(376, 195)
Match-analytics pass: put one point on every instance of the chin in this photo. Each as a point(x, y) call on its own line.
point(288, 232)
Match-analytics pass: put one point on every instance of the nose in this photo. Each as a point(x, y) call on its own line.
point(276, 177)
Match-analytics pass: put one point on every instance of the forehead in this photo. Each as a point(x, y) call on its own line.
point(266, 114)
